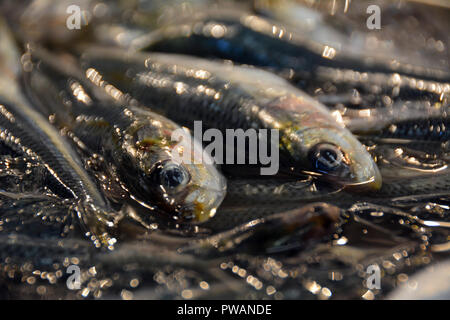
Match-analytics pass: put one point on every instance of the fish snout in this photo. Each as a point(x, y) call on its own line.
point(202, 204)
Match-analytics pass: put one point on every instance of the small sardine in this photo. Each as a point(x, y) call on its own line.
point(136, 144)
point(223, 96)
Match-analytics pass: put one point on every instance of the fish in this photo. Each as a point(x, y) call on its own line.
point(137, 146)
point(252, 39)
point(186, 89)
point(27, 132)
point(345, 27)
point(289, 230)
point(431, 129)
point(250, 253)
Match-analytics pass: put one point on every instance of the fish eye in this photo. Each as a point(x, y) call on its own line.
point(326, 157)
point(171, 175)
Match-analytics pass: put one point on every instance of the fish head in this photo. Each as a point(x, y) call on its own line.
point(316, 143)
point(336, 155)
point(173, 172)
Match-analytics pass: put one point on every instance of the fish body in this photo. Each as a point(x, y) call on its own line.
point(250, 39)
point(345, 26)
point(28, 133)
point(431, 129)
point(224, 96)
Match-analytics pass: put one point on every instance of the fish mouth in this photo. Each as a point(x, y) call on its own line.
point(201, 208)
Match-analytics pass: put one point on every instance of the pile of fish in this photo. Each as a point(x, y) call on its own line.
point(92, 93)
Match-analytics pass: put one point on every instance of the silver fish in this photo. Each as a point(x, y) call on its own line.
point(223, 96)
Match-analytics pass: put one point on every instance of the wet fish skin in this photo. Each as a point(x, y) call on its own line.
point(360, 90)
point(250, 39)
point(288, 231)
point(136, 145)
point(186, 89)
point(414, 121)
